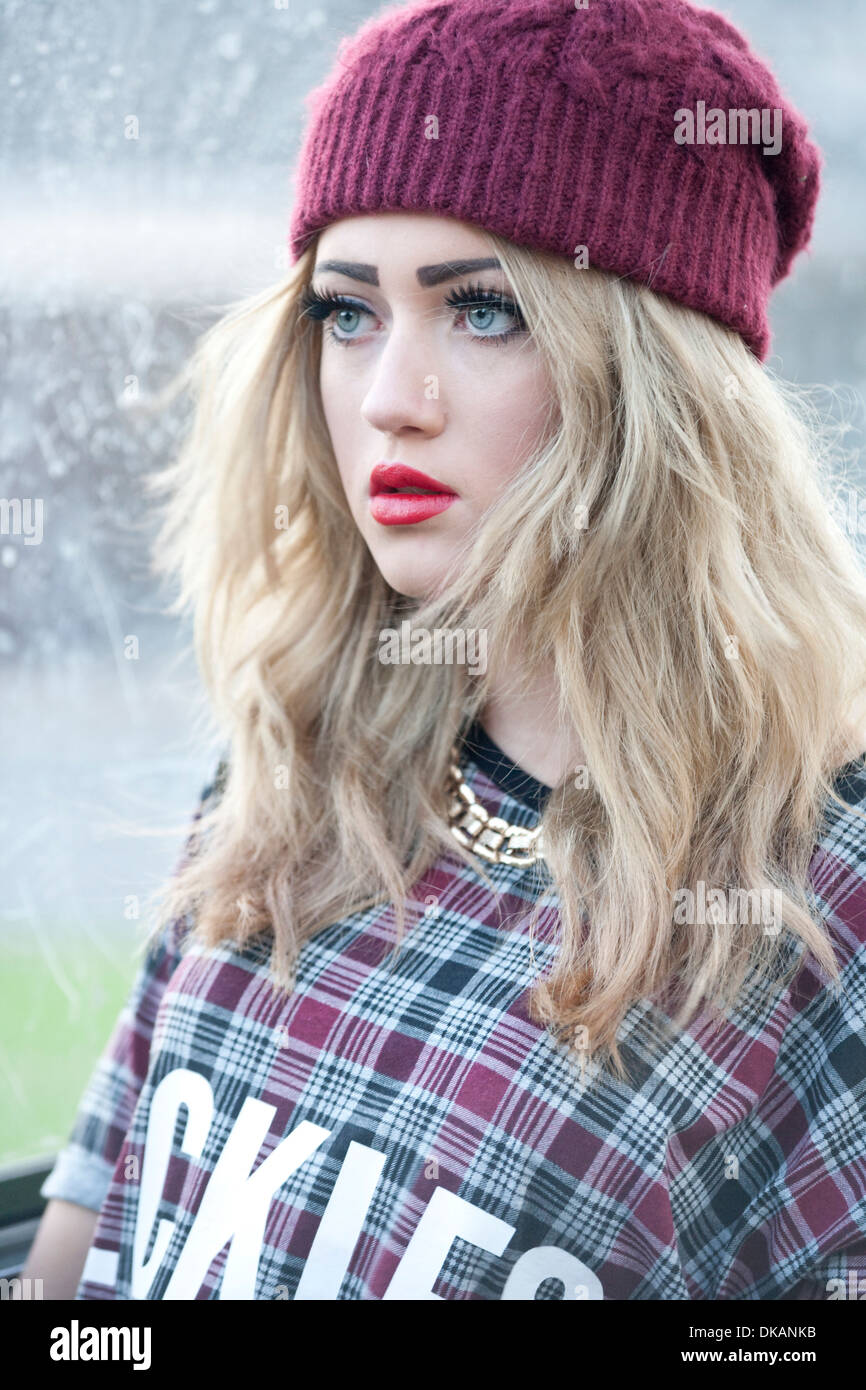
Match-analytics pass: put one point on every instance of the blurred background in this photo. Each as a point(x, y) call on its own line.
point(145, 160)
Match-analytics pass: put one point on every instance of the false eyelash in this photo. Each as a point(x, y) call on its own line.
point(470, 296)
point(319, 306)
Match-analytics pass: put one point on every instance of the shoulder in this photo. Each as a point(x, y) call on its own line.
point(821, 1058)
point(841, 847)
point(837, 883)
point(214, 789)
point(170, 940)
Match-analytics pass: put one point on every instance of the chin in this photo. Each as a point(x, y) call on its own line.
point(409, 586)
point(412, 579)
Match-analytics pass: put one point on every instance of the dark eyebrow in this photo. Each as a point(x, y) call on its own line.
point(427, 274)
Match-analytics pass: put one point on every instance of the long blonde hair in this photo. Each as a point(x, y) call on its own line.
point(671, 546)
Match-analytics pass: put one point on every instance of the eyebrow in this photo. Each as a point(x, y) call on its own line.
point(427, 274)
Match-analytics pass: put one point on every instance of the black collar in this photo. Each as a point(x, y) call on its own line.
point(505, 774)
point(502, 771)
point(845, 782)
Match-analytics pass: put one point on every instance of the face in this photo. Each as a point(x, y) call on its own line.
point(425, 363)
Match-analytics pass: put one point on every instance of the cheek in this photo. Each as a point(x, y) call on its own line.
point(341, 413)
point(504, 417)
point(329, 393)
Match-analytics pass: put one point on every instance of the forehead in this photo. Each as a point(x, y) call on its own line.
point(416, 237)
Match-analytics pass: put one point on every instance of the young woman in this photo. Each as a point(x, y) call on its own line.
point(519, 949)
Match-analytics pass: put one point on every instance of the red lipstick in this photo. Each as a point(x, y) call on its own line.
point(391, 507)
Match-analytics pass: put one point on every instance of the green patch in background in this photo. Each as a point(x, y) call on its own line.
point(59, 1001)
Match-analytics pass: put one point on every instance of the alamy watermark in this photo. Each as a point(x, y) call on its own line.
point(733, 127)
point(714, 907)
point(444, 646)
point(19, 1289)
point(22, 516)
point(77, 1343)
point(850, 513)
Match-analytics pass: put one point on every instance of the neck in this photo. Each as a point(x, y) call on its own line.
point(524, 723)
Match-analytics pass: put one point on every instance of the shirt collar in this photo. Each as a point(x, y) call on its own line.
point(502, 771)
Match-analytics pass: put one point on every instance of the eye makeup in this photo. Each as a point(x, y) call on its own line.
point(321, 306)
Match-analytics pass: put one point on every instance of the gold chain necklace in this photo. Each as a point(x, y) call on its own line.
point(490, 837)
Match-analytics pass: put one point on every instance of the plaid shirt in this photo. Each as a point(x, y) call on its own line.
point(403, 1129)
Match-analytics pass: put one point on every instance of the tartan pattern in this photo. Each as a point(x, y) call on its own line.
point(732, 1166)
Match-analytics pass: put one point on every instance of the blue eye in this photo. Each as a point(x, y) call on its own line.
point(469, 300)
point(473, 299)
point(321, 307)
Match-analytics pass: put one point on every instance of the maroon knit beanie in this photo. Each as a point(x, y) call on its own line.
point(621, 126)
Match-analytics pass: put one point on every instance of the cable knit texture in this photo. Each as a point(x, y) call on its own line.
point(556, 129)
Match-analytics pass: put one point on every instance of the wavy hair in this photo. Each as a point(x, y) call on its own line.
point(671, 546)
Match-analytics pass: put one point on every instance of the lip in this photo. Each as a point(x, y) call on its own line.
point(387, 476)
point(390, 508)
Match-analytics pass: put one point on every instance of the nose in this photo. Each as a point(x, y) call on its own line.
point(405, 391)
